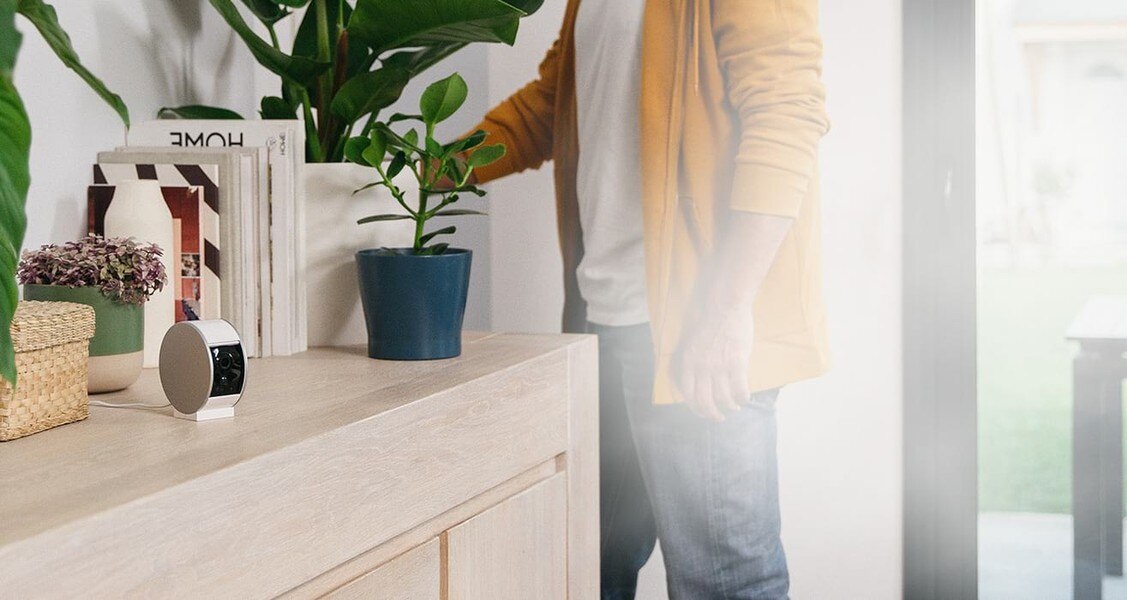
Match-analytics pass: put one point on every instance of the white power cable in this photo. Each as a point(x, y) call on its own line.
point(135, 405)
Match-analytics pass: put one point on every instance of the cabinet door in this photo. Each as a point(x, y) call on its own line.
point(516, 550)
point(414, 575)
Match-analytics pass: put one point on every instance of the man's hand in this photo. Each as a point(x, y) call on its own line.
point(716, 344)
point(711, 364)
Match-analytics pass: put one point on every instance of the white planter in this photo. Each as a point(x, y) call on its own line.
point(332, 239)
point(139, 211)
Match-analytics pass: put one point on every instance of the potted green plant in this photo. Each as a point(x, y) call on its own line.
point(15, 148)
point(350, 60)
point(115, 277)
point(414, 298)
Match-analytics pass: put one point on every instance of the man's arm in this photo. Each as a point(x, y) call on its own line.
point(718, 339)
point(772, 55)
point(524, 123)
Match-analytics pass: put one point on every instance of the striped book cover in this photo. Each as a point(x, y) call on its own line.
point(176, 182)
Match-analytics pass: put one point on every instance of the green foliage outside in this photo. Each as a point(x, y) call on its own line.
point(1025, 382)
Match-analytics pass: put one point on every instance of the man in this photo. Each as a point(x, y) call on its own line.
point(684, 137)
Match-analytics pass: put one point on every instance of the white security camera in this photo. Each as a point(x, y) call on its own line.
point(203, 369)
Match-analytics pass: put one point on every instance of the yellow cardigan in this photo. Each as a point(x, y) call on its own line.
point(732, 110)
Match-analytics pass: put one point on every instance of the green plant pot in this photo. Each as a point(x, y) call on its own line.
point(117, 348)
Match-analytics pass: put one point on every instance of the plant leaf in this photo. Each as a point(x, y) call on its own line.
point(354, 150)
point(267, 11)
point(46, 20)
point(10, 37)
point(398, 117)
point(380, 218)
point(370, 92)
point(430, 236)
point(438, 249)
point(379, 140)
point(443, 98)
point(418, 61)
point(367, 187)
point(486, 155)
point(467, 143)
point(434, 149)
point(459, 212)
point(411, 138)
point(15, 146)
point(397, 165)
point(273, 107)
point(394, 140)
point(297, 70)
point(377, 150)
point(196, 111)
point(390, 24)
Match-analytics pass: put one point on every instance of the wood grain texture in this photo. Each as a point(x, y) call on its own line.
point(376, 557)
point(514, 551)
point(331, 455)
point(415, 575)
point(582, 468)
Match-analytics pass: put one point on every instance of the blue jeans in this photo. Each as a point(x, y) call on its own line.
point(708, 491)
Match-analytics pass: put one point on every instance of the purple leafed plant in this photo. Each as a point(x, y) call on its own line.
point(127, 271)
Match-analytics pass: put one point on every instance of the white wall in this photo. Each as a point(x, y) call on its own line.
point(527, 286)
point(840, 436)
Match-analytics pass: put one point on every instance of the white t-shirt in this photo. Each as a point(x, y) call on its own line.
point(612, 274)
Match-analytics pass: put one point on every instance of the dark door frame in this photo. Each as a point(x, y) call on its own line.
point(940, 373)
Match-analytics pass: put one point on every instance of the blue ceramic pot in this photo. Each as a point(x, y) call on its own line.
point(414, 305)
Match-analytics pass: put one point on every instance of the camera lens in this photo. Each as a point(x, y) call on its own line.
point(228, 364)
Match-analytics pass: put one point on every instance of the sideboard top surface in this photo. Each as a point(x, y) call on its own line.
point(119, 455)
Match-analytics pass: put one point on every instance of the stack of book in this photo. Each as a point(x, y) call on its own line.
point(233, 189)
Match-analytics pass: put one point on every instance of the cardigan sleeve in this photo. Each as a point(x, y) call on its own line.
point(771, 54)
point(524, 123)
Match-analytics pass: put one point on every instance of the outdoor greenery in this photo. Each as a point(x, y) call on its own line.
point(15, 146)
point(1025, 382)
point(443, 172)
point(352, 59)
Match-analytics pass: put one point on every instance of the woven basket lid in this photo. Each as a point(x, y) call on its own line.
point(39, 325)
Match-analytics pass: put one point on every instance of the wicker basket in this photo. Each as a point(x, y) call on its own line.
point(51, 342)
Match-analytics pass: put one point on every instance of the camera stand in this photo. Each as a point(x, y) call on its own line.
point(207, 414)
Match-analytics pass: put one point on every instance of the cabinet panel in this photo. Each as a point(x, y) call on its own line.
point(414, 575)
point(514, 551)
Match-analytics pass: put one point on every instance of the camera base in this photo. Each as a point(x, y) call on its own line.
point(207, 414)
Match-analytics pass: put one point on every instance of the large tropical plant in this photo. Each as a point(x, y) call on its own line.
point(15, 145)
point(352, 58)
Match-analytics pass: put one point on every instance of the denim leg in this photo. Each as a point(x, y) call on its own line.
point(628, 530)
point(714, 491)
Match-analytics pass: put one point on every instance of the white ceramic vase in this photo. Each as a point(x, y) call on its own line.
point(139, 211)
point(332, 239)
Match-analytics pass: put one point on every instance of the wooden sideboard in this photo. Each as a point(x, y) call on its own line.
point(339, 477)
